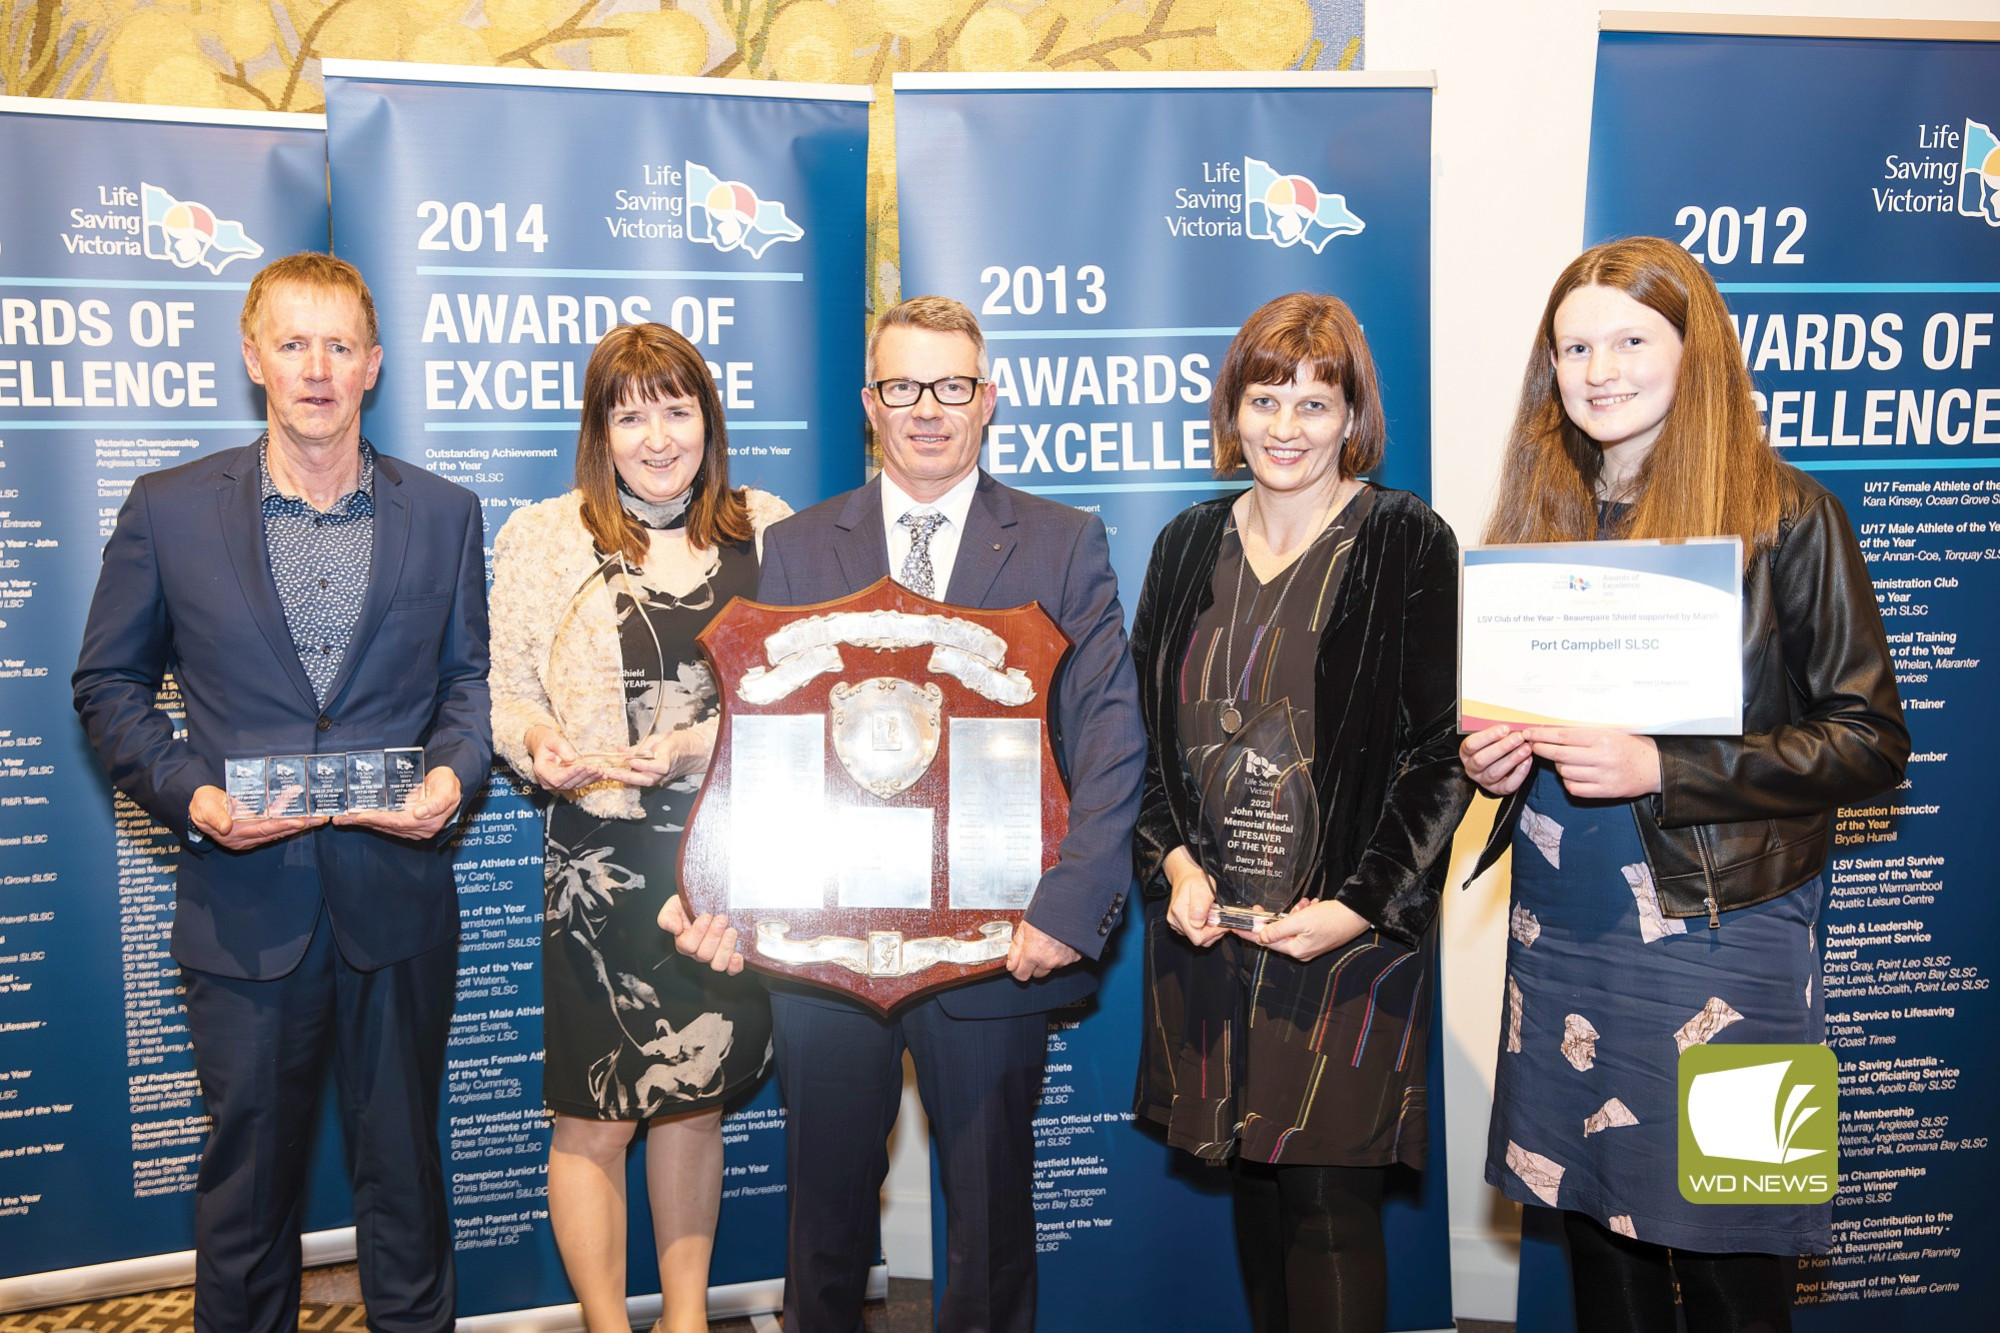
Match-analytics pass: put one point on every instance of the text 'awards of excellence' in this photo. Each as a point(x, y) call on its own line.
point(883, 798)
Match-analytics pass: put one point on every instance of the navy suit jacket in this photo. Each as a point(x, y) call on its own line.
point(1017, 548)
point(186, 588)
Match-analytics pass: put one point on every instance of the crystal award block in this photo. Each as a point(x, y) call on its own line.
point(244, 783)
point(1259, 819)
point(285, 785)
point(326, 784)
point(403, 771)
point(367, 782)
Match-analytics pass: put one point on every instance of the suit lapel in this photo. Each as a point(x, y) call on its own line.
point(242, 520)
point(385, 568)
point(862, 549)
point(985, 546)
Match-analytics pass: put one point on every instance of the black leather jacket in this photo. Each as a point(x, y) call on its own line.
point(1740, 820)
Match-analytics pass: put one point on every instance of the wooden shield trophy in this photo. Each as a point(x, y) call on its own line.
point(883, 797)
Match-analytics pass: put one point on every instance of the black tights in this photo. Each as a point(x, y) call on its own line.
point(1627, 1286)
point(1309, 1239)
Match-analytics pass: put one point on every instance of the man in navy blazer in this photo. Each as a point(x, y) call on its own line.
point(309, 596)
point(952, 532)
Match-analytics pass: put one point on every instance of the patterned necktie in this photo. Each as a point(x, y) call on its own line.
point(917, 574)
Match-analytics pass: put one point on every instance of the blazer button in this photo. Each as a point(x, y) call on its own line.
point(326, 724)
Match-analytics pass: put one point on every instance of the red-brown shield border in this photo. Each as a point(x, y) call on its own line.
point(735, 643)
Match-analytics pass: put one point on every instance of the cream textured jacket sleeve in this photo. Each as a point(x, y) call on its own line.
point(543, 560)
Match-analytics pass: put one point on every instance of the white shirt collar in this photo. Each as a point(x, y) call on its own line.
point(954, 504)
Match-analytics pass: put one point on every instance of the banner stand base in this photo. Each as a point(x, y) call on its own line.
point(737, 1301)
point(153, 1272)
point(158, 1272)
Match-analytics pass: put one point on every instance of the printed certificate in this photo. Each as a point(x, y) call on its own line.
point(1640, 636)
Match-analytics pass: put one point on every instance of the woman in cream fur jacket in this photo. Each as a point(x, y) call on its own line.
point(601, 698)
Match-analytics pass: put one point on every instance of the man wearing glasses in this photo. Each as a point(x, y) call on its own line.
point(949, 531)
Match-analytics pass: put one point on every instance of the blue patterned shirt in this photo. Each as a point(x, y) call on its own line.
point(320, 562)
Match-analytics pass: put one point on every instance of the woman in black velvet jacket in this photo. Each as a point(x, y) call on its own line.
point(1296, 1051)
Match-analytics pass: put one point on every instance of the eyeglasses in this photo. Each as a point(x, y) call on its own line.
point(951, 391)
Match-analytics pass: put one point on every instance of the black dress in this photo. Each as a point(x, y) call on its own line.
point(1253, 1053)
point(632, 1029)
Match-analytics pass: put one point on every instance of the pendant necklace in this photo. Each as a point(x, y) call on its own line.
point(1231, 717)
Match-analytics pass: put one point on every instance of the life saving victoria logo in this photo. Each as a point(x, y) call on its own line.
point(1979, 174)
point(1955, 171)
point(152, 222)
point(186, 232)
point(1252, 199)
point(729, 215)
point(1759, 1124)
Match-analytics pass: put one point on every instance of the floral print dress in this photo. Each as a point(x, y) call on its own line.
point(634, 1030)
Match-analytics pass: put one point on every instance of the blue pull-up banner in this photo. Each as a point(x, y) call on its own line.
point(506, 222)
point(1112, 233)
point(1844, 192)
point(127, 239)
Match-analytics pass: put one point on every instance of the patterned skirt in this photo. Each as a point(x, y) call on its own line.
point(632, 1029)
point(1250, 1053)
point(1603, 993)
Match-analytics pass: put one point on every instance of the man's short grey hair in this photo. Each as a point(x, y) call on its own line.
point(940, 314)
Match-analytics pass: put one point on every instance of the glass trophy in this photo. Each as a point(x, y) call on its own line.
point(244, 782)
point(1258, 823)
point(285, 785)
point(326, 784)
point(367, 783)
point(402, 773)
